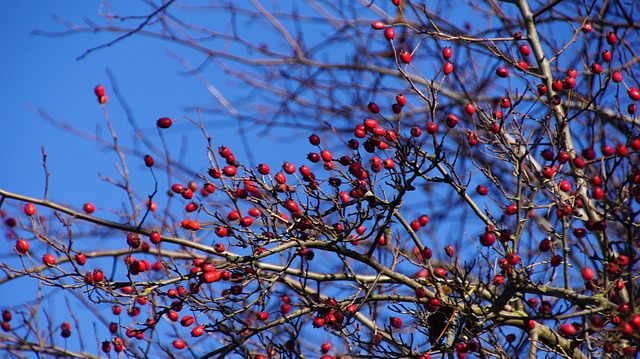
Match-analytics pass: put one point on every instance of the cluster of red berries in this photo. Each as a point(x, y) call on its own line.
point(100, 94)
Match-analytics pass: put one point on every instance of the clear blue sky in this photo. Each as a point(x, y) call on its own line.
point(42, 73)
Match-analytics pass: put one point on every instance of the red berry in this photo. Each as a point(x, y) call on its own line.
point(622, 150)
point(511, 210)
point(607, 150)
point(513, 258)
point(314, 140)
point(197, 331)
point(522, 65)
point(313, 157)
point(440, 272)
point(595, 68)
point(470, 109)
point(505, 102)
point(155, 237)
point(525, 50)
point(164, 122)
point(148, 161)
point(563, 157)
point(612, 38)
point(88, 208)
point(405, 57)
point(616, 77)
point(545, 245)
point(214, 172)
point(502, 72)
point(304, 171)
point(416, 131)
point(487, 239)
point(29, 209)
point(432, 128)
point(548, 172)
point(588, 274)
point(98, 275)
point(99, 91)
point(263, 169)
point(106, 346)
point(447, 53)
point(564, 186)
point(80, 259)
point(482, 190)
point(567, 329)
point(389, 33)
point(556, 260)
point(373, 107)
point(579, 162)
point(179, 344)
point(49, 259)
point(11, 222)
point(449, 250)
point(542, 89)
point(451, 120)
point(472, 139)
point(246, 221)
point(288, 168)
point(447, 68)
point(395, 322)
point(377, 25)
point(633, 93)
point(400, 100)
point(318, 322)
point(229, 171)
point(263, 316)
point(326, 155)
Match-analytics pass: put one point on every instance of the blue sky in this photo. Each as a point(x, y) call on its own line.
point(43, 73)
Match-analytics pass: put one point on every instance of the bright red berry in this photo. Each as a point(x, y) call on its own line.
point(377, 25)
point(634, 93)
point(22, 246)
point(470, 109)
point(451, 120)
point(99, 91)
point(432, 128)
point(389, 33)
point(588, 274)
point(502, 72)
point(616, 77)
point(197, 331)
point(29, 209)
point(89, 208)
point(49, 259)
point(447, 53)
point(447, 68)
point(164, 122)
point(405, 57)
